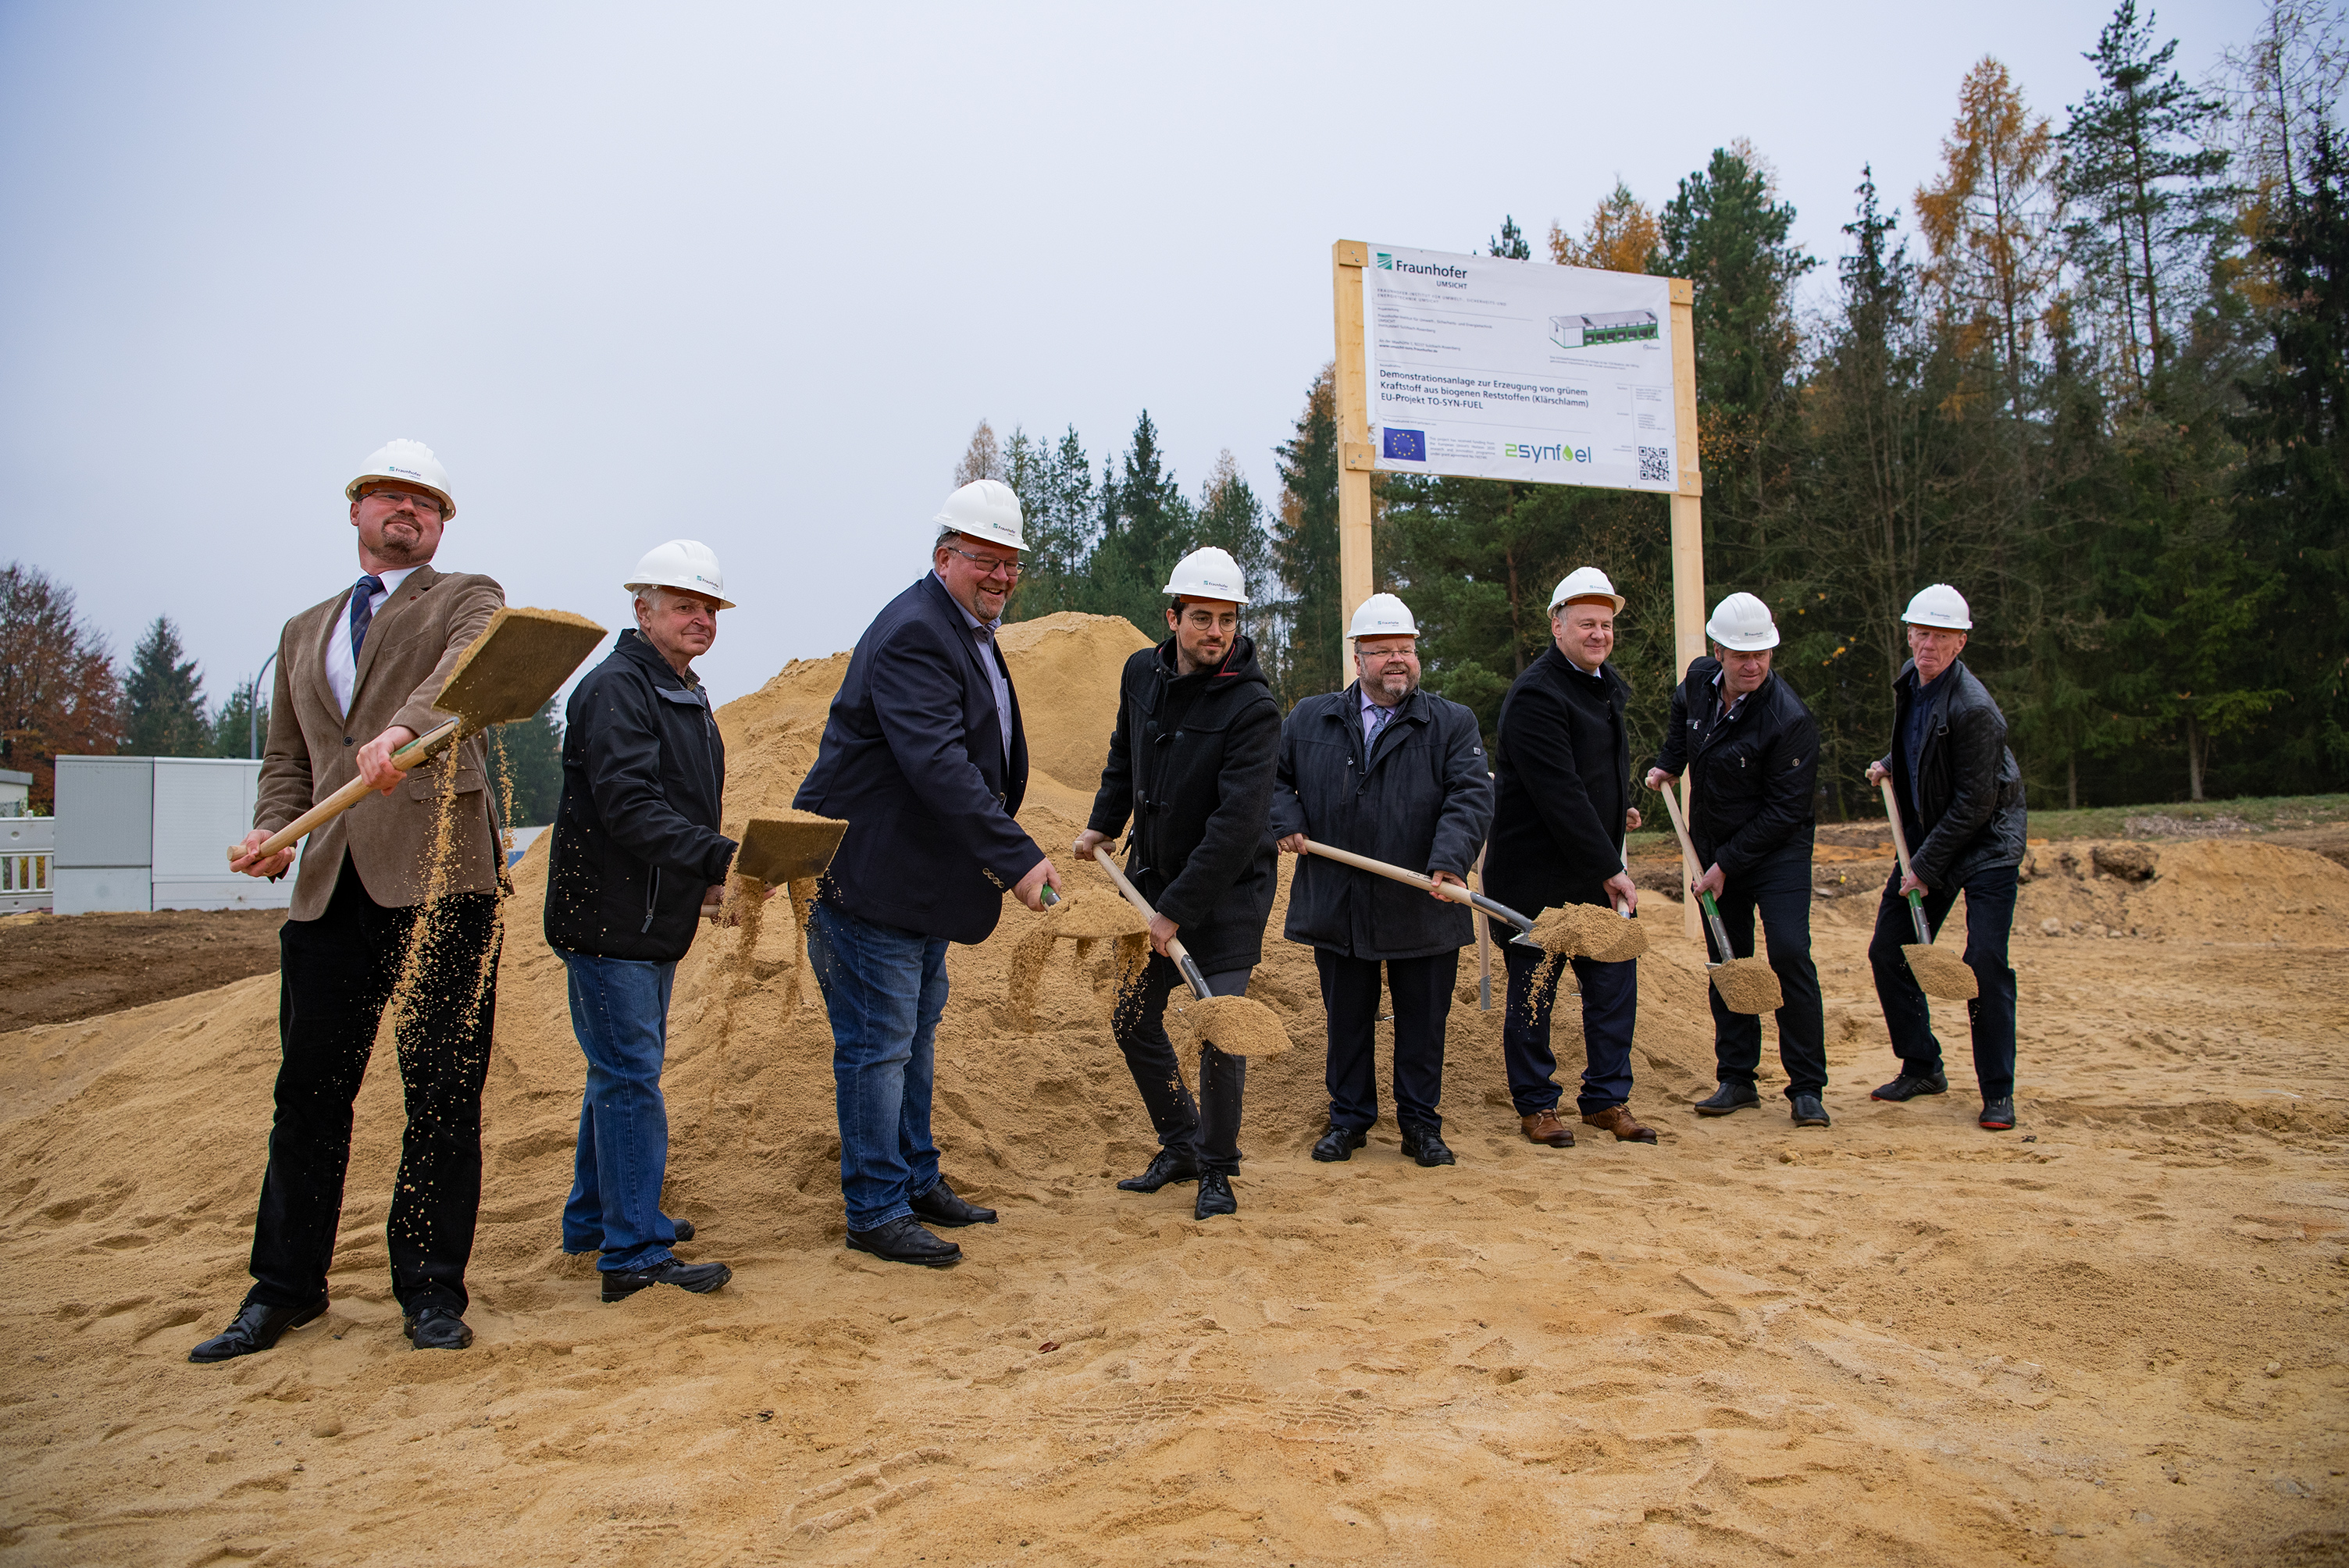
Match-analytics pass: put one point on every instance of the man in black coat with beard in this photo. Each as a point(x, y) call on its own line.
point(1191, 762)
point(1387, 770)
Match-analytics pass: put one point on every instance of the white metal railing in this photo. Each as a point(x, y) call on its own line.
point(26, 847)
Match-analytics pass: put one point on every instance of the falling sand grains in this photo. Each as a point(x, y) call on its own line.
point(427, 927)
point(1083, 916)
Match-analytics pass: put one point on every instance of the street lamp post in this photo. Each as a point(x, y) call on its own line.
point(253, 707)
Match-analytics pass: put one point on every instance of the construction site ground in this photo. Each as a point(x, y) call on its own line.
point(2112, 1336)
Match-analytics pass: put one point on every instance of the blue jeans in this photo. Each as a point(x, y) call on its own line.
point(886, 988)
point(619, 1010)
point(1990, 920)
point(1610, 1007)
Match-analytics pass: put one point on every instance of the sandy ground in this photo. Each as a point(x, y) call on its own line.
point(2112, 1336)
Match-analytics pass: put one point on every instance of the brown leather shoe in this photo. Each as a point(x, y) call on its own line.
point(1619, 1120)
point(1544, 1127)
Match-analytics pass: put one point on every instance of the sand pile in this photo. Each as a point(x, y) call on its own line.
point(2213, 889)
point(1900, 1340)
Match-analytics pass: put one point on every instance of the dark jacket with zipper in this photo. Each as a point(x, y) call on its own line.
point(635, 835)
point(1754, 769)
point(1562, 767)
point(1191, 763)
point(1421, 799)
point(912, 760)
point(1966, 813)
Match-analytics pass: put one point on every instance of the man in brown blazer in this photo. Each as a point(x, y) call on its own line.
point(356, 680)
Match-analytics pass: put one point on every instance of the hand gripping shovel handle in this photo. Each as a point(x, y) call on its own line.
point(1175, 948)
point(1453, 891)
point(414, 753)
point(1900, 847)
point(1711, 911)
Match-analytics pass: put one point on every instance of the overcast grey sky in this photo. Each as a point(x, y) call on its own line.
point(751, 273)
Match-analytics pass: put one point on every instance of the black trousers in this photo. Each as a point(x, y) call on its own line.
point(1989, 922)
point(1782, 892)
point(1422, 990)
point(336, 975)
point(1610, 1011)
point(1208, 1128)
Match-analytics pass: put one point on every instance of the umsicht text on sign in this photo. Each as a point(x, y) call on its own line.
point(1516, 370)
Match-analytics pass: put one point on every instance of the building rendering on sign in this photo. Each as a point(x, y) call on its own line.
point(1590, 331)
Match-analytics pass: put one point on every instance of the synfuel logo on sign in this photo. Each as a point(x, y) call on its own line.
point(1556, 452)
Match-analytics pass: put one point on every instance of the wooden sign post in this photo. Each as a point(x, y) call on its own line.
point(1357, 461)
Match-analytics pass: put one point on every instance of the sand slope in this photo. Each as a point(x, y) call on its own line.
point(1900, 1340)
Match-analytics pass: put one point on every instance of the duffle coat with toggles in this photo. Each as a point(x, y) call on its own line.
point(1420, 799)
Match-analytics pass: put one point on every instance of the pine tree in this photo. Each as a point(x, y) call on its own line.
point(165, 697)
point(1146, 524)
point(527, 756)
point(1510, 242)
point(1059, 506)
point(58, 694)
point(982, 459)
point(237, 730)
point(1305, 543)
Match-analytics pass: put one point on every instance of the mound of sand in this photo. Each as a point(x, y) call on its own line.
point(1896, 1341)
point(2207, 890)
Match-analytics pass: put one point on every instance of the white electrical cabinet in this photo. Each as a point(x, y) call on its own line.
point(153, 832)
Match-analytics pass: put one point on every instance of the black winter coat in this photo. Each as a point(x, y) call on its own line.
point(1755, 771)
point(1967, 814)
point(1422, 801)
point(1198, 791)
point(636, 834)
point(912, 759)
point(1562, 762)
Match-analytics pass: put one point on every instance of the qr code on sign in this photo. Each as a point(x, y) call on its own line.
point(1656, 464)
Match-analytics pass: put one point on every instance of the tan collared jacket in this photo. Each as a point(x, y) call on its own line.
point(412, 644)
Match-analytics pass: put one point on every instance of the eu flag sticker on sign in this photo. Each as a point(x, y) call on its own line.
point(1411, 446)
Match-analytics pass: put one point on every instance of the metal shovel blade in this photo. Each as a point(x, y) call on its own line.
point(777, 850)
point(522, 657)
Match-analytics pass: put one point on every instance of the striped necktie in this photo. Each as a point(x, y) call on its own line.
point(363, 595)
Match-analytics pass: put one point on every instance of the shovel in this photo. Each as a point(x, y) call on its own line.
point(786, 849)
point(1746, 984)
point(1250, 1027)
point(1453, 891)
point(1938, 973)
point(517, 663)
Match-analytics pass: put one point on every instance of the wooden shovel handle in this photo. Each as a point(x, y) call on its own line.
point(1175, 948)
point(1899, 839)
point(408, 756)
point(1455, 891)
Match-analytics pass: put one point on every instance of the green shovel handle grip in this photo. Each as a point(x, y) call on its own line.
point(1917, 912)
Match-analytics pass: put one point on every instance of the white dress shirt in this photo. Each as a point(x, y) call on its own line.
point(342, 662)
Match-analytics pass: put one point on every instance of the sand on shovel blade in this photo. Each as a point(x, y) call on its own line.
point(786, 848)
point(1590, 931)
point(1238, 1026)
point(1938, 974)
point(522, 657)
point(1748, 986)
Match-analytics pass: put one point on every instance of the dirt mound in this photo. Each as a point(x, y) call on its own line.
point(2209, 890)
point(56, 968)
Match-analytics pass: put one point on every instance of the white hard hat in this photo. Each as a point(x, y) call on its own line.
point(1742, 624)
point(1382, 616)
point(1940, 605)
point(984, 509)
point(408, 463)
point(1584, 583)
point(1210, 574)
point(681, 563)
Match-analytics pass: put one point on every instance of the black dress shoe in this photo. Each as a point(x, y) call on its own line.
point(1427, 1148)
point(1908, 1086)
point(1998, 1115)
point(700, 1278)
point(939, 1206)
point(903, 1241)
point(685, 1230)
point(1165, 1166)
point(1728, 1098)
point(1808, 1111)
point(1339, 1143)
point(1215, 1196)
point(436, 1328)
point(256, 1327)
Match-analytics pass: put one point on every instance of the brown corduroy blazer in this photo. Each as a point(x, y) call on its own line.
point(411, 645)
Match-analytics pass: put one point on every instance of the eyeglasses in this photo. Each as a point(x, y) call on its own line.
point(987, 565)
point(420, 503)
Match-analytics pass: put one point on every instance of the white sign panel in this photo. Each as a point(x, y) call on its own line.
point(1498, 369)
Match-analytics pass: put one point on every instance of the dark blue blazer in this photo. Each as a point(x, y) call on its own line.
point(912, 759)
